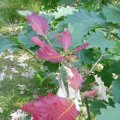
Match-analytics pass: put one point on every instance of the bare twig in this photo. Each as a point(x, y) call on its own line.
point(30, 52)
point(91, 70)
point(79, 64)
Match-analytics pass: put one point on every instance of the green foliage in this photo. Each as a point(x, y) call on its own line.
point(115, 90)
point(9, 8)
point(5, 43)
point(116, 48)
point(89, 19)
point(98, 39)
point(80, 23)
point(78, 36)
point(110, 113)
point(119, 33)
point(87, 56)
point(112, 14)
point(68, 2)
point(53, 67)
point(25, 37)
point(49, 4)
point(96, 105)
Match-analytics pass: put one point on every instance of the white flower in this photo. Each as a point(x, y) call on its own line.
point(13, 70)
point(2, 76)
point(18, 115)
point(10, 51)
point(26, 75)
point(23, 58)
point(24, 12)
point(9, 58)
point(43, 12)
point(1, 110)
point(1, 54)
point(64, 11)
point(11, 77)
point(115, 76)
point(30, 73)
point(4, 68)
point(101, 89)
point(100, 67)
point(22, 64)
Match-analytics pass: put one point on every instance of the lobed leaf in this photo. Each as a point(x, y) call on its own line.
point(38, 23)
point(110, 113)
point(74, 78)
point(66, 39)
point(51, 107)
point(112, 14)
point(97, 39)
point(5, 43)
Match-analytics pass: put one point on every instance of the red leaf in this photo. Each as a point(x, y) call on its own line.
point(51, 108)
point(80, 47)
point(74, 78)
point(38, 42)
point(49, 54)
point(90, 93)
point(66, 40)
point(38, 23)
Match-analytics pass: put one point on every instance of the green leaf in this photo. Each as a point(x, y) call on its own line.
point(25, 37)
point(5, 43)
point(77, 35)
point(96, 105)
point(119, 33)
point(97, 39)
point(112, 57)
point(67, 2)
point(116, 90)
point(88, 19)
point(112, 14)
point(116, 48)
point(106, 74)
point(80, 23)
point(110, 113)
point(87, 57)
point(53, 67)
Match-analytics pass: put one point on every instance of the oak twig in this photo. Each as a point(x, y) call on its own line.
point(91, 70)
point(87, 108)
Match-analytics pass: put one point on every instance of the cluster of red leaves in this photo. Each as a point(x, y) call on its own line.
point(40, 25)
point(54, 107)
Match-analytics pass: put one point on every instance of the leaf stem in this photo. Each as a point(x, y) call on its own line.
point(30, 52)
point(91, 70)
point(87, 108)
point(48, 41)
